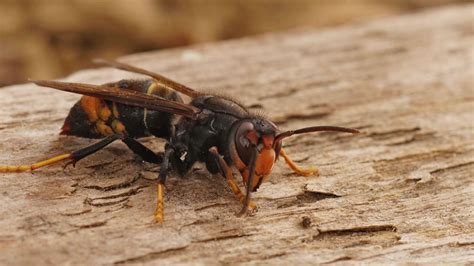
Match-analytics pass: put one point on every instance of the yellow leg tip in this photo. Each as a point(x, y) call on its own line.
point(313, 171)
point(29, 168)
point(250, 210)
point(15, 168)
point(252, 206)
point(159, 218)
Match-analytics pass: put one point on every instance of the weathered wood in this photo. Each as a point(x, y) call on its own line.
point(402, 191)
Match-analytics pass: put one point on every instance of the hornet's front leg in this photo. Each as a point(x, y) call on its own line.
point(313, 171)
point(226, 172)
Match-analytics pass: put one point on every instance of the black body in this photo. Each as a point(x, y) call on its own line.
point(192, 139)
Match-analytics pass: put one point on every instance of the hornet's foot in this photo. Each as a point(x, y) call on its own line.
point(159, 212)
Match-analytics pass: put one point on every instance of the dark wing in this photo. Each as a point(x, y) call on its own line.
point(128, 97)
point(166, 82)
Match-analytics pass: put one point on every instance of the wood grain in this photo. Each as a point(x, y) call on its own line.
point(400, 192)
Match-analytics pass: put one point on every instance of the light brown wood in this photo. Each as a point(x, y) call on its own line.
point(400, 192)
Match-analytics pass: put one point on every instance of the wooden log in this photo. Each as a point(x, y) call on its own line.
point(400, 192)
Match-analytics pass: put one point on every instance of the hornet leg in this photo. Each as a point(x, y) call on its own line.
point(74, 157)
point(226, 171)
point(145, 153)
point(164, 170)
point(296, 168)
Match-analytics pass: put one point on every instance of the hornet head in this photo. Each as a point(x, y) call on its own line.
point(255, 144)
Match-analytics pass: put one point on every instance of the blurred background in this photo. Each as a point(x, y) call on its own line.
point(52, 38)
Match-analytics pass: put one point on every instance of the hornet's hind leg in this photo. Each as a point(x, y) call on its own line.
point(72, 158)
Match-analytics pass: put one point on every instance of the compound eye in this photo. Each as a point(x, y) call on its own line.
point(244, 138)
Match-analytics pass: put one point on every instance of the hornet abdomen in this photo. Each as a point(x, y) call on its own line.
point(93, 117)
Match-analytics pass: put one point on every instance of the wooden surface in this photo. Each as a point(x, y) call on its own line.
point(400, 192)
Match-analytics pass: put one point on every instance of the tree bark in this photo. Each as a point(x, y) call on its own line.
point(402, 191)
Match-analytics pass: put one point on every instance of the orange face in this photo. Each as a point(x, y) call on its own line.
point(248, 141)
point(264, 164)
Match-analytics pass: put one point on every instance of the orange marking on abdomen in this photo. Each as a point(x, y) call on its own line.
point(103, 128)
point(118, 127)
point(99, 113)
point(115, 110)
point(91, 105)
point(104, 111)
point(159, 90)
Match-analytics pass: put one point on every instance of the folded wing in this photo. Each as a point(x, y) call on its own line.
point(128, 97)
